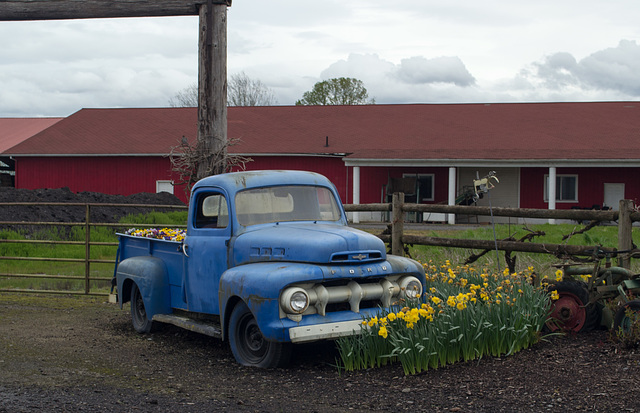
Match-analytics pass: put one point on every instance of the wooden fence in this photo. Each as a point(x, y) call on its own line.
point(87, 243)
point(397, 238)
point(625, 217)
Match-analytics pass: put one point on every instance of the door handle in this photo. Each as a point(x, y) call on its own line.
point(185, 247)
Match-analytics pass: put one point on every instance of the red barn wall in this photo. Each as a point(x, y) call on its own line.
point(130, 175)
point(110, 175)
point(373, 181)
point(590, 185)
point(331, 167)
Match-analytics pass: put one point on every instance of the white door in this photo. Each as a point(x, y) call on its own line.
point(613, 193)
point(164, 186)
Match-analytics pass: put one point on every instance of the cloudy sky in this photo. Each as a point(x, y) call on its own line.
point(411, 51)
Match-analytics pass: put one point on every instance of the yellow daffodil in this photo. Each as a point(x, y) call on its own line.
point(559, 275)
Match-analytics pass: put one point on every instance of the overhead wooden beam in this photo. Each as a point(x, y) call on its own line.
point(13, 10)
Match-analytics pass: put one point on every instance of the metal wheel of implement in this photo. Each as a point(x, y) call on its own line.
point(622, 319)
point(569, 312)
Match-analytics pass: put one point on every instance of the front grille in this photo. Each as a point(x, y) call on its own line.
point(359, 256)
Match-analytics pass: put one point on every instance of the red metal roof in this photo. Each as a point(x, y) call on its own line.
point(16, 130)
point(527, 131)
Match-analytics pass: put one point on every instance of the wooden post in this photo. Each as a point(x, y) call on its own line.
point(625, 241)
point(212, 89)
point(397, 224)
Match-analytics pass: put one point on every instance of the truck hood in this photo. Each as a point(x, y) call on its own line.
point(306, 242)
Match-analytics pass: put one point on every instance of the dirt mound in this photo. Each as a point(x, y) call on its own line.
point(71, 213)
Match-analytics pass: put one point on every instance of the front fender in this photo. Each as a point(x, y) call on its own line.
point(259, 286)
point(150, 274)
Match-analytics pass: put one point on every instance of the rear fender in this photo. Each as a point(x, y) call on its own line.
point(150, 274)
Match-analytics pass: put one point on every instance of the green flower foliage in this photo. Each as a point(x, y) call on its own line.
point(465, 314)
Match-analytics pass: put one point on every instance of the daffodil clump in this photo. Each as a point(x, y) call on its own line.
point(163, 233)
point(465, 314)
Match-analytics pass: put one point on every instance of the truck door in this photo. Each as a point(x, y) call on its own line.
point(206, 246)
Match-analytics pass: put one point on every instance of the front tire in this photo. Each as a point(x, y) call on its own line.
point(248, 345)
point(139, 319)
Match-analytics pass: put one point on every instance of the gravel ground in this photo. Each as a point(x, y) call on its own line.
point(81, 354)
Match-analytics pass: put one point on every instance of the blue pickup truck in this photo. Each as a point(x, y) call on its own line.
point(267, 261)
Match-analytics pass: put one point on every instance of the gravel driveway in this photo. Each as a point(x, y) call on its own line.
point(81, 354)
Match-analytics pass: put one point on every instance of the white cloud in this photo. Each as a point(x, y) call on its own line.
point(431, 51)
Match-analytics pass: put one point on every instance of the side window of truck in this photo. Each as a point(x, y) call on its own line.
point(212, 212)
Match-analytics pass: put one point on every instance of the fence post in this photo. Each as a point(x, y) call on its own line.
point(397, 224)
point(625, 241)
point(87, 250)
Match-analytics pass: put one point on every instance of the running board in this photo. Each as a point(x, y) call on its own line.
point(190, 324)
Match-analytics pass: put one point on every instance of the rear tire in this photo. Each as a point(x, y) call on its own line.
point(139, 319)
point(248, 345)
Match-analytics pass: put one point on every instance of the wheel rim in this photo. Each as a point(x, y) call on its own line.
point(140, 314)
point(625, 325)
point(568, 312)
point(251, 341)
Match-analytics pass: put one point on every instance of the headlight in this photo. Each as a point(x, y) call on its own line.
point(412, 287)
point(294, 301)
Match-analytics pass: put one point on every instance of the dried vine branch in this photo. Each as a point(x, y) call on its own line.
point(511, 261)
point(582, 231)
point(187, 158)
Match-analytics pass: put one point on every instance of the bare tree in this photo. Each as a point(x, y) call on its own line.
point(244, 91)
point(185, 159)
point(241, 91)
point(186, 98)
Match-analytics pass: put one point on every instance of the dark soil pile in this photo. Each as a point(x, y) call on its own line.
point(68, 213)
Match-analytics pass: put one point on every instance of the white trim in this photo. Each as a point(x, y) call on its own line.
point(452, 193)
point(496, 163)
point(356, 192)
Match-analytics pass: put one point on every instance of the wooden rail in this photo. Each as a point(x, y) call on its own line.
point(625, 217)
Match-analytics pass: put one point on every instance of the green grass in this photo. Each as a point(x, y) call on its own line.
point(601, 235)
point(606, 236)
point(63, 233)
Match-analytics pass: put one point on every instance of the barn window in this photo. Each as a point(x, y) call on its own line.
point(164, 186)
point(566, 188)
point(423, 188)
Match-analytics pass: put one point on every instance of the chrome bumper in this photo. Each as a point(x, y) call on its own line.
point(325, 331)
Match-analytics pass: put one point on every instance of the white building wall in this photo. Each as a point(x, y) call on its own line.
point(505, 194)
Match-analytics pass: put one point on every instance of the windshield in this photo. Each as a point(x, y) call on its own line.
point(286, 203)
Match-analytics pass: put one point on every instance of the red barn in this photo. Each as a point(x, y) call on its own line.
point(591, 150)
point(12, 132)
